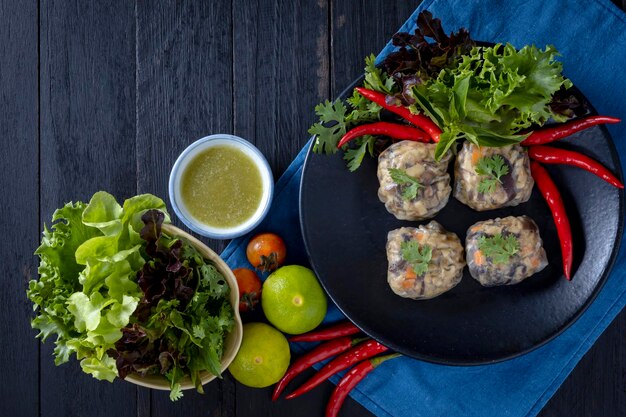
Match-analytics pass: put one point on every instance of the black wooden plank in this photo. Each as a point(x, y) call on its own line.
point(281, 71)
point(184, 89)
point(184, 92)
point(87, 144)
point(359, 29)
point(144, 401)
point(19, 135)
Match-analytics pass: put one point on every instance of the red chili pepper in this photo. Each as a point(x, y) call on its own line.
point(553, 133)
point(351, 380)
point(358, 353)
point(393, 130)
point(418, 120)
point(321, 352)
point(553, 198)
point(548, 155)
point(332, 332)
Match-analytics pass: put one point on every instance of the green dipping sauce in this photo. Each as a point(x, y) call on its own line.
point(221, 187)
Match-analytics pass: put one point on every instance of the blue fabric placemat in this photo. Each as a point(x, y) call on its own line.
point(591, 35)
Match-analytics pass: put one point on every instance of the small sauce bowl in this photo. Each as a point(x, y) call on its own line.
point(188, 155)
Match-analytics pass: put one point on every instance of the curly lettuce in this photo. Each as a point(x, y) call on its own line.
point(492, 95)
point(87, 289)
point(125, 298)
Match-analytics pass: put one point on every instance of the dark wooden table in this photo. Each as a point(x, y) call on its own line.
point(103, 95)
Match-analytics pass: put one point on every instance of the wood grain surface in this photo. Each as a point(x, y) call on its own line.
point(87, 125)
point(19, 118)
point(104, 95)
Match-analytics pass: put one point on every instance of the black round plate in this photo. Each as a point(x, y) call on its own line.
point(345, 230)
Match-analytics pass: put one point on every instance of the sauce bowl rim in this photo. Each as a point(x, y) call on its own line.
point(266, 176)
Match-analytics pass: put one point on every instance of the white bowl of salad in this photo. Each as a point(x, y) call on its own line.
point(134, 297)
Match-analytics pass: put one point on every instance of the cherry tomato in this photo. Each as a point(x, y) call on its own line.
point(249, 288)
point(266, 251)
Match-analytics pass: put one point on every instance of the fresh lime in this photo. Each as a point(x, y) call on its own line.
point(293, 300)
point(263, 357)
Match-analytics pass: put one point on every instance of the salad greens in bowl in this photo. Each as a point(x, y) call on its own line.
point(134, 297)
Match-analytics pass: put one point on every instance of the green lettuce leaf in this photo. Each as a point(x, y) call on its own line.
point(492, 95)
point(58, 269)
point(87, 310)
point(103, 369)
point(121, 282)
point(58, 276)
point(99, 247)
point(119, 313)
point(103, 213)
point(87, 288)
point(135, 207)
point(103, 337)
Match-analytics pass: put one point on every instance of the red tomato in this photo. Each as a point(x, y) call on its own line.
point(249, 288)
point(266, 251)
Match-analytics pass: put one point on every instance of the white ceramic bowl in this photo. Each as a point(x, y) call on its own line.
point(233, 339)
point(188, 155)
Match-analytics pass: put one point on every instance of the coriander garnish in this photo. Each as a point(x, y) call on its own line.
point(400, 177)
point(417, 257)
point(493, 168)
point(498, 248)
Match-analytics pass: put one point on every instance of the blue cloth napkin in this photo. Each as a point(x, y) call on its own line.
point(591, 35)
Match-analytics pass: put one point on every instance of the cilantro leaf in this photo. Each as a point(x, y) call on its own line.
point(410, 184)
point(375, 78)
point(354, 156)
point(500, 249)
point(176, 392)
point(330, 128)
point(213, 282)
point(198, 331)
point(174, 376)
point(493, 168)
point(335, 118)
point(418, 258)
point(363, 110)
point(487, 186)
